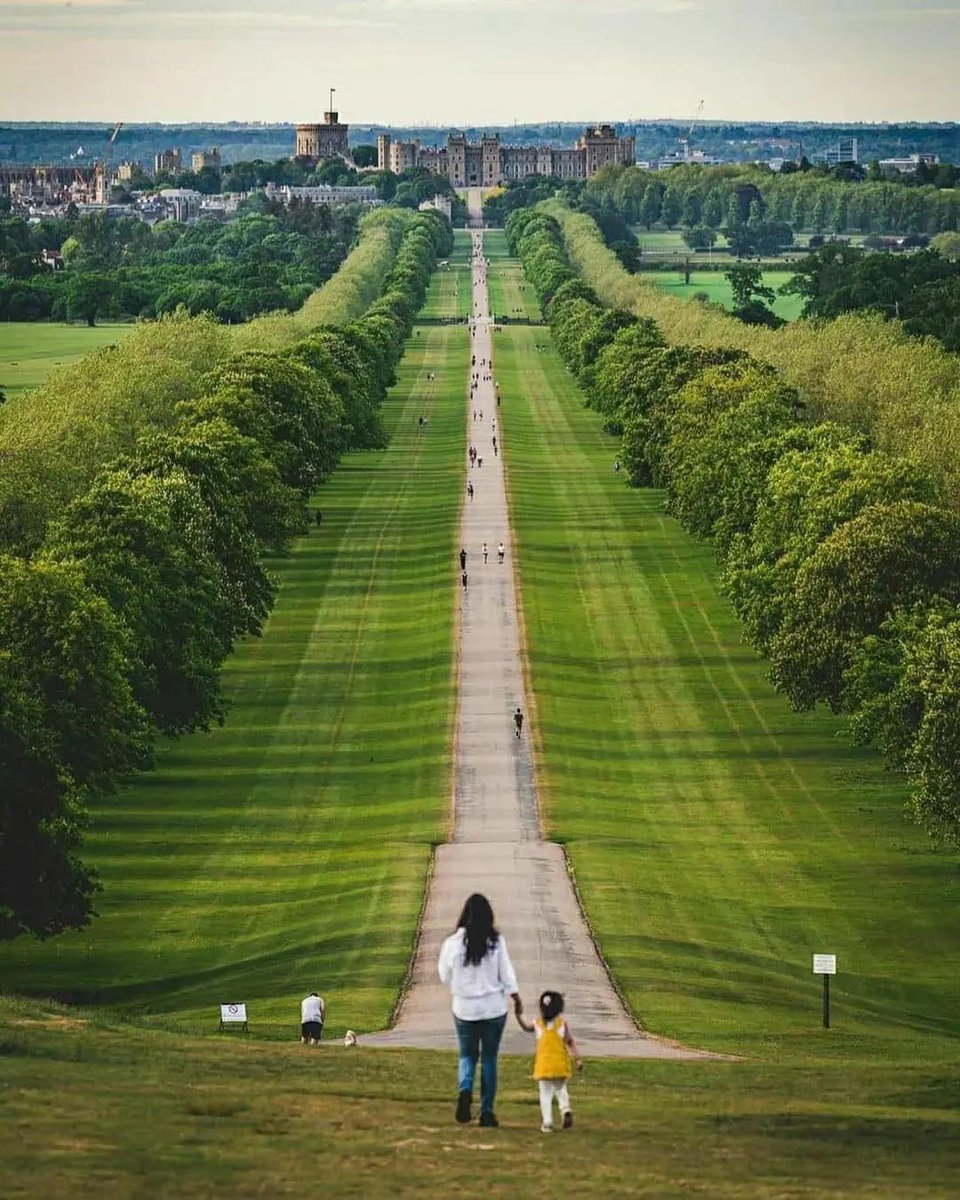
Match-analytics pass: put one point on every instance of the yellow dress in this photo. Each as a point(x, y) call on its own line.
point(552, 1059)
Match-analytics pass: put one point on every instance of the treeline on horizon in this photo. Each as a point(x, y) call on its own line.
point(836, 527)
point(141, 492)
point(57, 143)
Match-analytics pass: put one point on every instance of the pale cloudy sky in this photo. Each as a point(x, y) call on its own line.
point(476, 61)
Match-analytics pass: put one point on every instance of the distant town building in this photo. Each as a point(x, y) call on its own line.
point(52, 259)
point(683, 158)
point(168, 162)
point(327, 140)
point(205, 158)
point(181, 204)
point(908, 165)
point(322, 193)
point(488, 163)
point(46, 183)
point(845, 151)
point(127, 170)
point(442, 204)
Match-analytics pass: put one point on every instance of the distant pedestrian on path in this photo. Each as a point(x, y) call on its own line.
point(616, 466)
point(500, 553)
point(551, 1061)
point(475, 964)
point(463, 558)
point(463, 580)
point(479, 460)
point(518, 721)
point(470, 491)
point(484, 551)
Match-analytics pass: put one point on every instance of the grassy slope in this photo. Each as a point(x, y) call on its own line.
point(290, 847)
point(718, 838)
point(29, 351)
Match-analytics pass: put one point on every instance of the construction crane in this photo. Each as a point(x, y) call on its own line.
point(101, 175)
point(685, 141)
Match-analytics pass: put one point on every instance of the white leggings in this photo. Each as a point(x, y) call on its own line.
point(548, 1089)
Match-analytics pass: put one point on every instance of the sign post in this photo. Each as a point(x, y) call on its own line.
point(825, 965)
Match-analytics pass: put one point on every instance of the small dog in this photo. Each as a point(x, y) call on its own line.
point(349, 1038)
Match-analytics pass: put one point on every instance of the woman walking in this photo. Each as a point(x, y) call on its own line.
point(475, 964)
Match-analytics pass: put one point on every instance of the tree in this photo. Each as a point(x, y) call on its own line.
point(947, 245)
point(145, 544)
point(888, 556)
point(652, 204)
point(671, 207)
point(88, 294)
point(714, 427)
point(365, 155)
point(69, 726)
point(749, 294)
point(700, 237)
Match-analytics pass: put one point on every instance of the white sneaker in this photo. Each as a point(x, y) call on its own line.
point(546, 1128)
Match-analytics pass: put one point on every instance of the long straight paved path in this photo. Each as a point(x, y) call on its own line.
point(497, 846)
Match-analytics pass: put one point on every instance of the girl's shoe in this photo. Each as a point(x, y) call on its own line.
point(545, 1128)
point(463, 1108)
point(568, 1119)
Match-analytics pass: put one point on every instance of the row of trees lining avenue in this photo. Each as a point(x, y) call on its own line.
point(119, 605)
point(842, 559)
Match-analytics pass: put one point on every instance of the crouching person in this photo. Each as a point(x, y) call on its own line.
point(312, 1009)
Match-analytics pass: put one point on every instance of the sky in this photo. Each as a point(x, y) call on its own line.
point(475, 62)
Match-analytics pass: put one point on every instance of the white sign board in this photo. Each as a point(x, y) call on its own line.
point(824, 964)
point(233, 1012)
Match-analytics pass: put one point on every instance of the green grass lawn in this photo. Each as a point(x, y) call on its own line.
point(449, 294)
point(510, 295)
point(288, 850)
point(718, 839)
point(94, 1111)
point(717, 287)
point(29, 351)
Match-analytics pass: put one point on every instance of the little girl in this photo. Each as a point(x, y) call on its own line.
point(551, 1063)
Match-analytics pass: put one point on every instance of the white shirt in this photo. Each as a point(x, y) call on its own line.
point(478, 991)
point(311, 1009)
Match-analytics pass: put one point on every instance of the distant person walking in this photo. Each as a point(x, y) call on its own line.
point(463, 580)
point(463, 559)
point(470, 491)
point(616, 466)
point(500, 552)
point(474, 963)
point(319, 518)
point(518, 721)
point(312, 1009)
point(484, 551)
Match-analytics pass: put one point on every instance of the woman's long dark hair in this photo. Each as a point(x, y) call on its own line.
point(476, 921)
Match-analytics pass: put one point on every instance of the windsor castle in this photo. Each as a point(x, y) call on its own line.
point(486, 163)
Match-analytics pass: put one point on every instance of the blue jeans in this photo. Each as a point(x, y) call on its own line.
point(480, 1039)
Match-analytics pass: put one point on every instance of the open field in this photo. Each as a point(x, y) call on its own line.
point(449, 292)
point(289, 848)
point(718, 838)
point(94, 1112)
point(29, 351)
point(717, 287)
